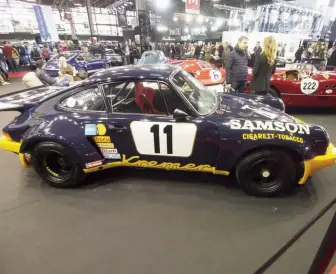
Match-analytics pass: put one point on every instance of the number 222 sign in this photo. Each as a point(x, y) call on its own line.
point(164, 139)
point(309, 86)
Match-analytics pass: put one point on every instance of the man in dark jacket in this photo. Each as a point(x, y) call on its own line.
point(236, 66)
point(44, 77)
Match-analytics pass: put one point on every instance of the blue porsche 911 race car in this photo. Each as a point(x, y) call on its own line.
point(161, 117)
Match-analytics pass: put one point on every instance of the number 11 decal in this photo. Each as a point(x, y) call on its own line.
point(168, 130)
point(164, 138)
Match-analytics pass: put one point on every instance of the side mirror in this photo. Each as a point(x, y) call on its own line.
point(179, 115)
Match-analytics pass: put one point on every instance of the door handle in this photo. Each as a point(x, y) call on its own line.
point(117, 127)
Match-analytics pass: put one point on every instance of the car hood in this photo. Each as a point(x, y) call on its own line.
point(243, 108)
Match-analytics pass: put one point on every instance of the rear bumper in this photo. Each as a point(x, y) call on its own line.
point(318, 162)
point(12, 146)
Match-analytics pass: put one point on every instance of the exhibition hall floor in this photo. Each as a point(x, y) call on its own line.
point(155, 222)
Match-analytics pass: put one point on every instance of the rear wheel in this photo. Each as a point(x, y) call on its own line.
point(267, 173)
point(54, 164)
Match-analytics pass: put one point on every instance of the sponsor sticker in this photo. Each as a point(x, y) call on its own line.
point(109, 150)
point(112, 156)
point(219, 111)
point(326, 76)
point(90, 129)
point(105, 145)
point(94, 164)
point(272, 136)
point(329, 91)
point(93, 129)
point(102, 139)
point(270, 126)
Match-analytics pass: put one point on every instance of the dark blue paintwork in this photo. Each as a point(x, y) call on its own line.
point(75, 59)
point(217, 144)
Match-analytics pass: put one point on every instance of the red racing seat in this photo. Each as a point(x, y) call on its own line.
point(144, 97)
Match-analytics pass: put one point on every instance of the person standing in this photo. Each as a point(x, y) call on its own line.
point(298, 54)
point(8, 53)
point(257, 49)
point(127, 54)
point(236, 66)
point(46, 53)
point(264, 67)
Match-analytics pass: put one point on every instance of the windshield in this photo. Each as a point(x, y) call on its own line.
point(67, 56)
point(150, 58)
point(204, 101)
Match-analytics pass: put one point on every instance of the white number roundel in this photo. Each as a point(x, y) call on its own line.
point(164, 139)
point(215, 75)
point(309, 86)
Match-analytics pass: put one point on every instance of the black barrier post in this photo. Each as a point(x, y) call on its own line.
point(326, 251)
point(292, 240)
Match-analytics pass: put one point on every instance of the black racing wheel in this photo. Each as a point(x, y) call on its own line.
point(53, 162)
point(273, 93)
point(267, 173)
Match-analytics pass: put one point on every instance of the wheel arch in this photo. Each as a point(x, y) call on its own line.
point(297, 157)
point(28, 145)
point(276, 90)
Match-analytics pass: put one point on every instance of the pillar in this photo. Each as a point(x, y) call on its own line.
point(89, 12)
point(68, 16)
point(143, 20)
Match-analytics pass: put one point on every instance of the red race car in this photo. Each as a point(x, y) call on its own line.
point(204, 72)
point(302, 85)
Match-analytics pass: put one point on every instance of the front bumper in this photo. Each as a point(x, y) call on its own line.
point(318, 162)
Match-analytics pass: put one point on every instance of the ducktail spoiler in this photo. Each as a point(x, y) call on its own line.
point(27, 98)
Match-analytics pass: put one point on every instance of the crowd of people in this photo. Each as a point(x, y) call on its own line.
point(236, 59)
point(319, 51)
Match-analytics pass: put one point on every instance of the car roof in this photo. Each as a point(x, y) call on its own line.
point(153, 72)
point(153, 51)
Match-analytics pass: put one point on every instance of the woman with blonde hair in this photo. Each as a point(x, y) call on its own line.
point(264, 67)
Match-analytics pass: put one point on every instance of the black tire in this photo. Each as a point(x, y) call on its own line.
point(83, 74)
point(107, 65)
point(267, 173)
point(273, 93)
point(54, 164)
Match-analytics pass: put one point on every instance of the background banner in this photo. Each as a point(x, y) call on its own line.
point(193, 6)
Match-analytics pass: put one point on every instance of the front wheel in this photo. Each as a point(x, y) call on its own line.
point(107, 66)
point(83, 74)
point(54, 164)
point(267, 173)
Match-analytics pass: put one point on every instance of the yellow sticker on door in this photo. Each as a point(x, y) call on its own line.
point(105, 145)
point(102, 139)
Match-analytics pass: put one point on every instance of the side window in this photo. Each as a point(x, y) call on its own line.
point(86, 100)
point(173, 100)
point(80, 58)
point(87, 57)
point(135, 97)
